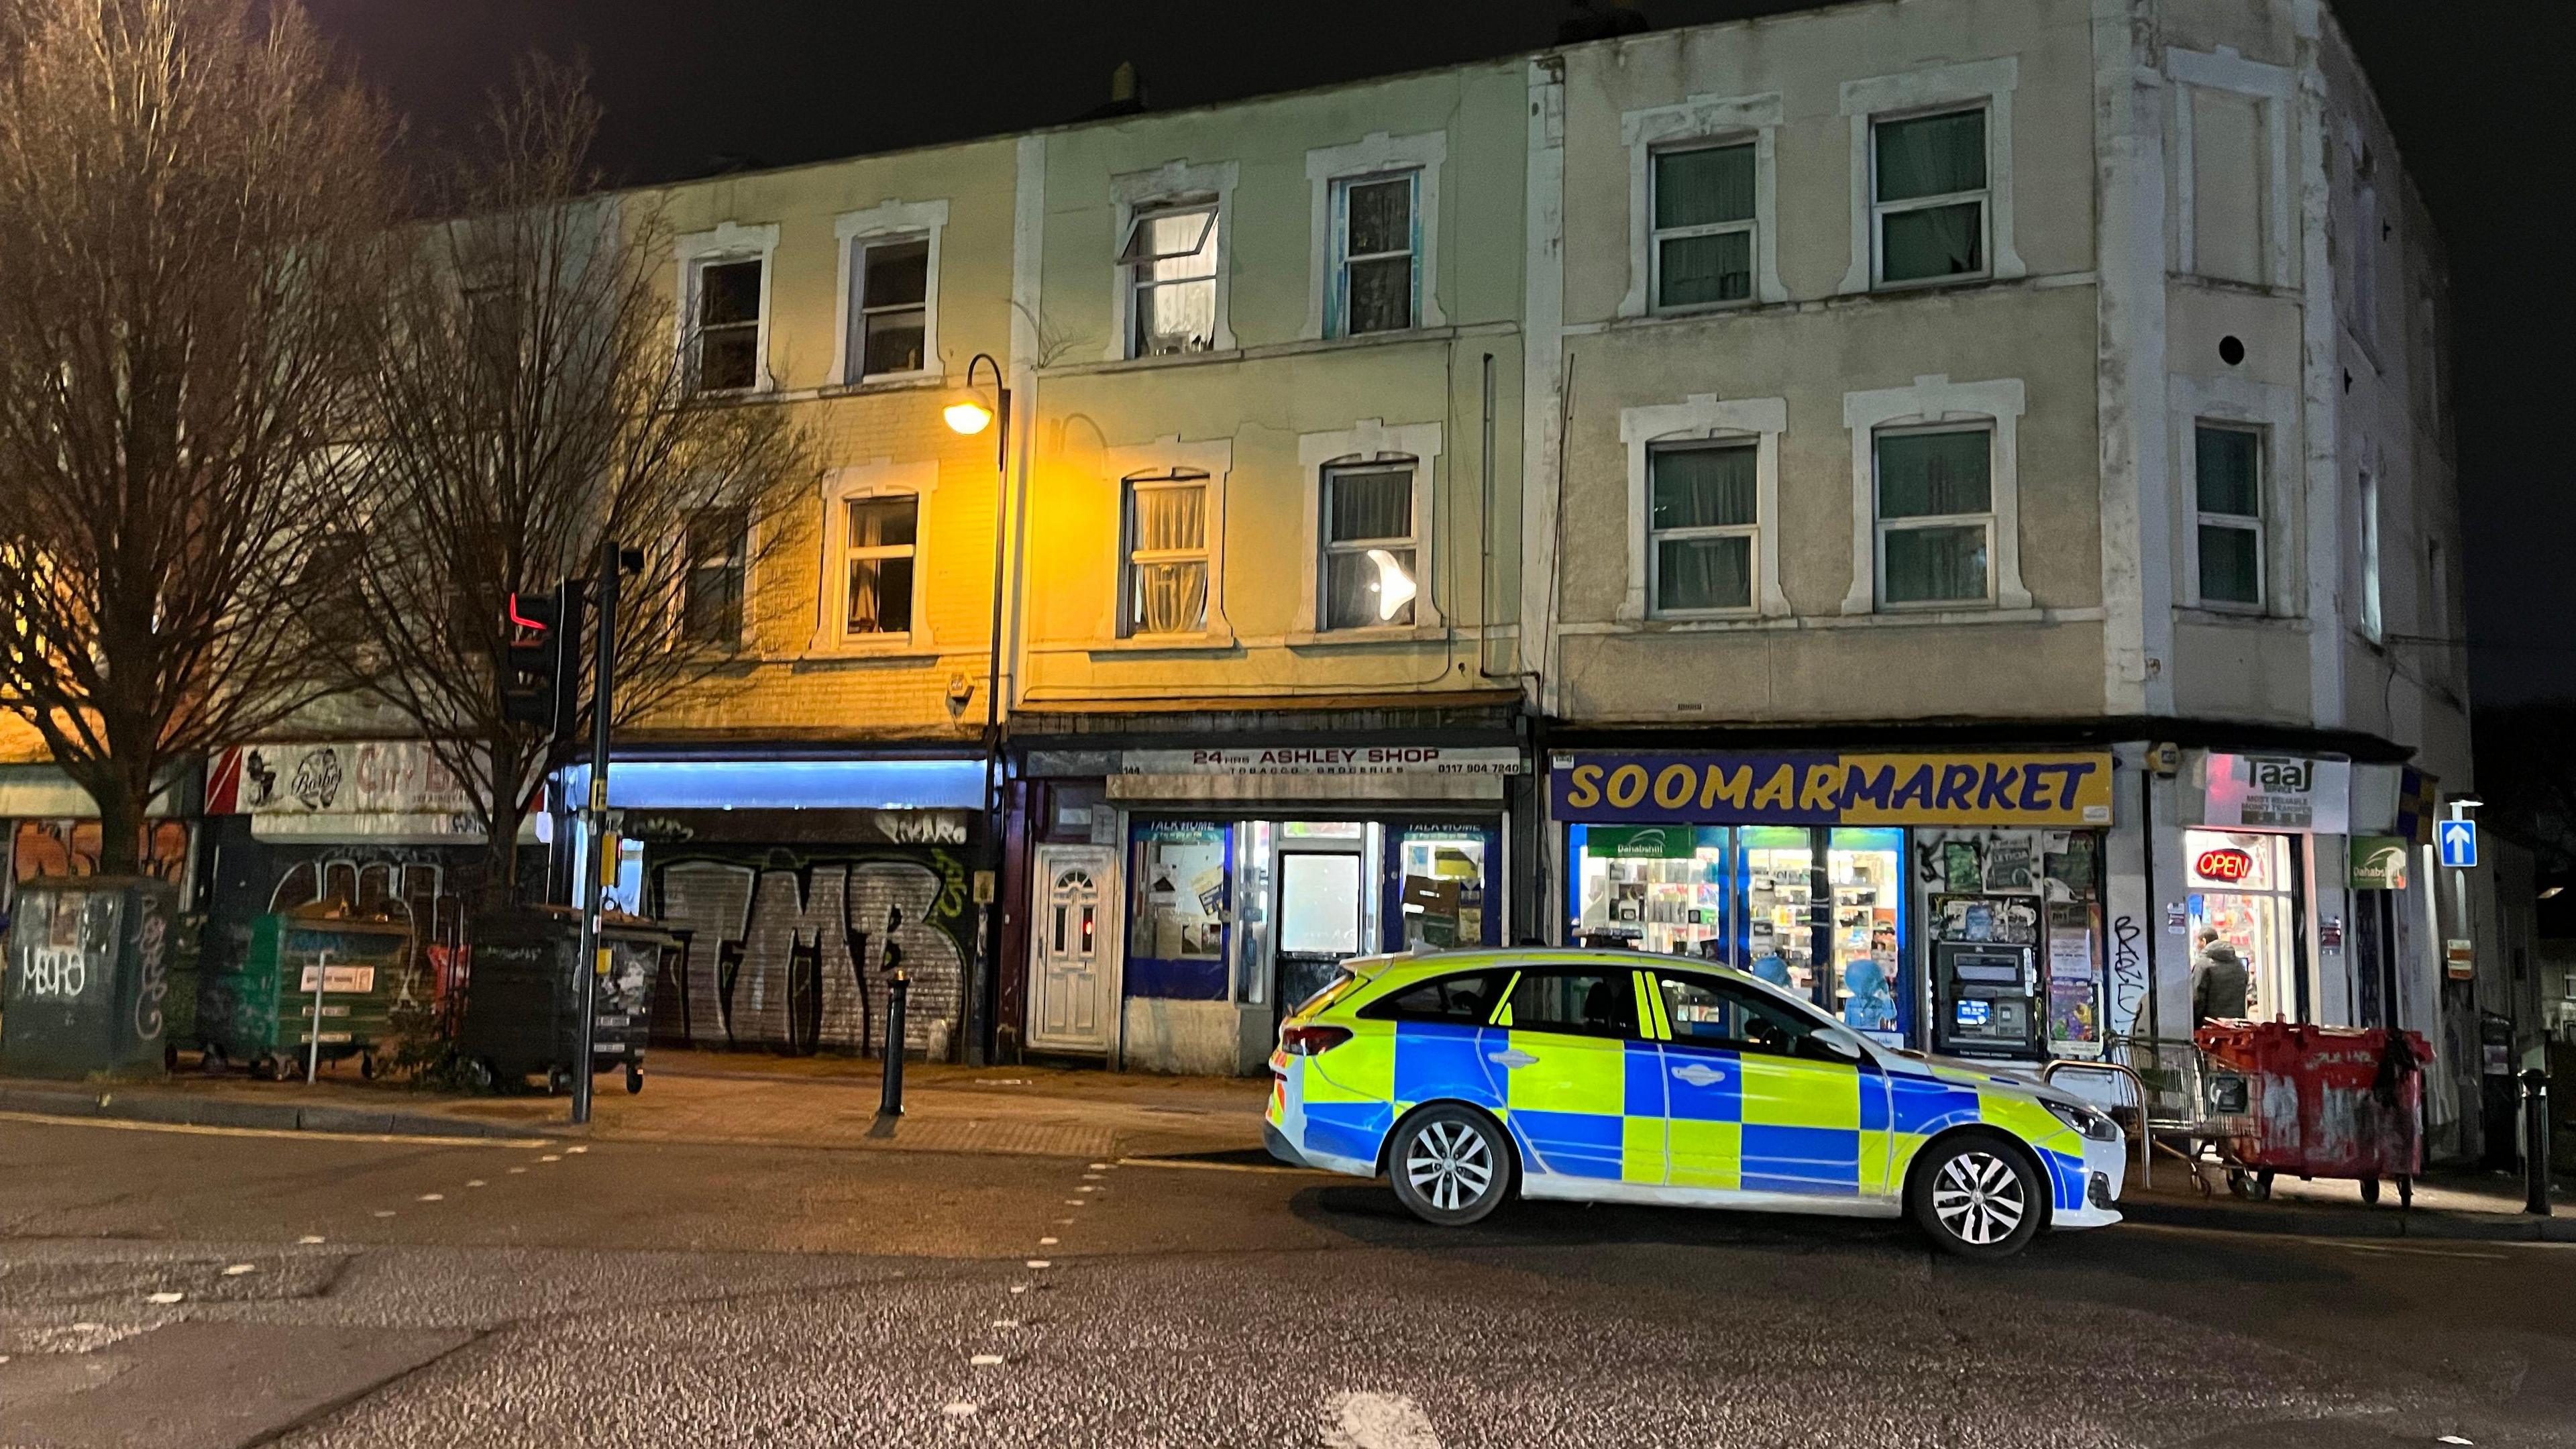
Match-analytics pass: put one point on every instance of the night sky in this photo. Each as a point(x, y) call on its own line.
point(692, 86)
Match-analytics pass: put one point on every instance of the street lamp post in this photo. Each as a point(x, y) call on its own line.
point(968, 415)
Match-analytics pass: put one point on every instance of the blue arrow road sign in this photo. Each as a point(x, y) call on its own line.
point(2459, 842)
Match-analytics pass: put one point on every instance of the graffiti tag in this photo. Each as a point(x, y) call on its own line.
point(57, 973)
point(2128, 974)
point(155, 937)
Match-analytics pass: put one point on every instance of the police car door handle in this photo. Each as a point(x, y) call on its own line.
point(1512, 1057)
point(1698, 1075)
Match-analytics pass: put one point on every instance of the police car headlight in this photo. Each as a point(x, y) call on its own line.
point(2093, 1125)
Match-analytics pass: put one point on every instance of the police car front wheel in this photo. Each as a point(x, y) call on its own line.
point(1450, 1165)
point(1976, 1197)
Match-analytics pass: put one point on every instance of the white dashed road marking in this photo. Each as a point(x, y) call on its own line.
point(1361, 1420)
point(309, 1239)
point(1040, 1263)
point(433, 1197)
point(985, 1360)
point(164, 1297)
point(237, 1269)
point(959, 1410)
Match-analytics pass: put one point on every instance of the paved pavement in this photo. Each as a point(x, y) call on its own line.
point(178, 1287)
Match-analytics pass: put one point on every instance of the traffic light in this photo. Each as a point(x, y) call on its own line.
point(541, 658)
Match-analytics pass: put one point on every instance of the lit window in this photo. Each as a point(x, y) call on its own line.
point(1935, 516)
point(2228, 464)
point(1375, 241)
point(1703, 242)
point(1701, 525)
point(878, 559)
point(1369, 551)
point(711, 587)
point(728, 325)
point(892, 318)
point(1167, 554)
point(1928, 202)
point(1171, 258)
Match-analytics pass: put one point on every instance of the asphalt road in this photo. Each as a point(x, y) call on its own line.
point(365, 1293)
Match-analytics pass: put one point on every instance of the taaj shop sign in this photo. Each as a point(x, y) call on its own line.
point(1831, 789)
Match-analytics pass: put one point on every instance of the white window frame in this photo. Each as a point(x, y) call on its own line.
point(1881, 526)
point(2254, 524)
point(881, 478)
point(1165, 186)
point(2273, 413)
point(2272, 88)
point(1935, 403)
point(1162, 458)
point(1989, 83)
point(1132, 558)
point(1337, 300)
point(1377, 154)
point(694, 253)
point(1701, 121)
point(1701, 418)
point(855, 232)
point(1368, 441)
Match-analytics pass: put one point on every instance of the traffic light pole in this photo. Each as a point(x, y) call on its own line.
point(603, 672)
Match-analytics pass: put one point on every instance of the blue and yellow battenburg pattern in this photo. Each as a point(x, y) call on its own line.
point(1660, 1112)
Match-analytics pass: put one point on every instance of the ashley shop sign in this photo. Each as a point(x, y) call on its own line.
point(1326, 760)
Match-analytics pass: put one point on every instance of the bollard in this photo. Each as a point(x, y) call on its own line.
point(2535, 1142)
point(890, 1103)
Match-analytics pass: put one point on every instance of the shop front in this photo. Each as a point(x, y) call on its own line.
point(798, 887)
point(1183, 901)
point(1952, 902)
point(2266, 873)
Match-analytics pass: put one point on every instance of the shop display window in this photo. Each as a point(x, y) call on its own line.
point(1181, 889)
point(2244, 887)
point(1778, 878)
point(1660, 888)
point(1867, 869)
point(1440, 880)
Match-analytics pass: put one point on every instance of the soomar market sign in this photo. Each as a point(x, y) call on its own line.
point(1811, 788)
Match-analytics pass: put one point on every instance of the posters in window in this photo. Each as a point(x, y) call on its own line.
point(1987, 919)
point(2008, 863)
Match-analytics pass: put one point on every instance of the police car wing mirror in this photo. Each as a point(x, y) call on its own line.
point(1840, 1043)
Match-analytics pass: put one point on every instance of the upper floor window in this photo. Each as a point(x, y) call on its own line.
point(727, 317)
point(1377, 242)
point(1702, 251)
point(1929, 202)
point(880, 541)
point(890, 323)
point(2374, 625)
point(2228, 468)
point(1166, 554)
point(1703, 502)
point(1369, 545)
point(711, 588)
point(1170, 255)
point(1936, 519)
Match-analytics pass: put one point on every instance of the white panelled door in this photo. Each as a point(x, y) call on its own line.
point(1073, 948)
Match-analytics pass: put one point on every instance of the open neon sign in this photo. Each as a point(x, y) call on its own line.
point(2228, 864)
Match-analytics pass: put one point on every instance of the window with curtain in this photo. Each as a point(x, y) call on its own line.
point(892, 317)
point(711, 585)
point(880, 550)
point(728, 325)
point(1935, 516)
point(1702, 517)
point(1375, 238)
point(1167, 554)
point(1369, 550)
point(1928, 198)
point(2228, 471)
point(1702, 250)
point(1171, 257)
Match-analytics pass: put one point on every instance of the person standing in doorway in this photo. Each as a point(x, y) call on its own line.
point(2217, 981)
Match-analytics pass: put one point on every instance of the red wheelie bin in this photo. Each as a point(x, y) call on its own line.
point(2323, 1101)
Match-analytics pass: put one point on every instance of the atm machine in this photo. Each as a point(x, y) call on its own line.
point(1988, 1000)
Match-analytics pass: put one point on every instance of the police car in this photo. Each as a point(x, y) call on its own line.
point(1607, 1076)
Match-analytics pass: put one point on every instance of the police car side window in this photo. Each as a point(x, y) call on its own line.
point(1466, 999)
point(1706, 1011)
point(1580, 1001)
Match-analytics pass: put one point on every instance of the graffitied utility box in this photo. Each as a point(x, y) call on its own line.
point(88, 976)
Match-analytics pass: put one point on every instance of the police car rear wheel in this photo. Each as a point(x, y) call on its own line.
point(1451, 1166)
point(1976, 1198)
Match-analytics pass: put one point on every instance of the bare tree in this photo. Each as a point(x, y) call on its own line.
point(531, 396)
point(188, 203)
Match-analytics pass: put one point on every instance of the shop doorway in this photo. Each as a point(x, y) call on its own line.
point(1072, 948)
point(2245, 887)
point(1322, 872)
